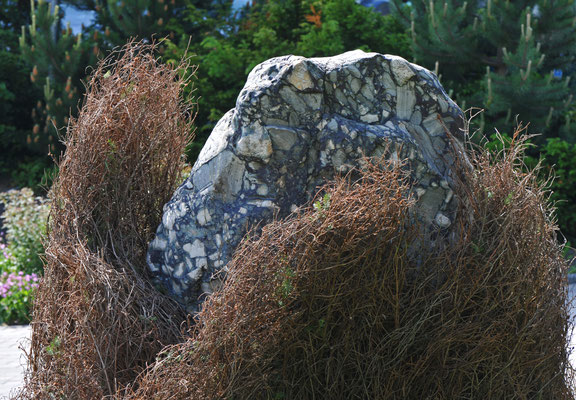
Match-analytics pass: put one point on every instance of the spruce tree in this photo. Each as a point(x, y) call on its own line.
point(512, 58)
point(16, 93)
point(58, 59)
point(138, 19)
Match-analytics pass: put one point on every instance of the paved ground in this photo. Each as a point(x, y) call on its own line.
point(572, 296)
point(12, 358)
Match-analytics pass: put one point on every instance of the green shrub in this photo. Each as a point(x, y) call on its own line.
point(559, 158)
point(16, 295)
point(25, 221)
point(20, 249)
point(35, 173)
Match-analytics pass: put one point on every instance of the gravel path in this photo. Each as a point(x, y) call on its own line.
point(12, 357)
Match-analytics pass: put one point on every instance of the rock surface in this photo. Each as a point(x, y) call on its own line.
point(297, 123)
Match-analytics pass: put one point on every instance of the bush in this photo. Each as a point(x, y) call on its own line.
point(24, 219)
point(16, 294)
point(97, 320)
point(35, 173)
point(21, 250)
point(329, 304)
point(558, 158)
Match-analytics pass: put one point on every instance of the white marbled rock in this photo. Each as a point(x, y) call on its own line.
point(296, 123)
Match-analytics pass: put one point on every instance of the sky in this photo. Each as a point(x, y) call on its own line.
point(76, 18)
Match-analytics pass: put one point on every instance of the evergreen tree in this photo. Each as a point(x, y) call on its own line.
point(505, 56)
point(17, 95)
point(59, 60)
point(225, 45)
point(138, 19)
point(15, 90)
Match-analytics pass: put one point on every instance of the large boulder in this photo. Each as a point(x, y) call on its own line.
point(296, 124)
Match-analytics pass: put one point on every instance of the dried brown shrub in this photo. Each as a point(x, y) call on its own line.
point(97, 320)
point(326, 304)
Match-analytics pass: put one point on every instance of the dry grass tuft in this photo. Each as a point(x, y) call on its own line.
point(326, 304)
point(97, 320)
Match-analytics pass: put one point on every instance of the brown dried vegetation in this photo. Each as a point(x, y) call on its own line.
point(97, 320)
point(325, 304)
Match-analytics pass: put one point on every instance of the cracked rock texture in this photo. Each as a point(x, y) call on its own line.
point(297, 123)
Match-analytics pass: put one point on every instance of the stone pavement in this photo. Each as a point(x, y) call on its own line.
point(12, 359)
point(572, 297)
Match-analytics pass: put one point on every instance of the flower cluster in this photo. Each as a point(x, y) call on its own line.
point(21, 246)
point(24, 219)
point(7, 259)
point(3, 247)
point(16, 296)
point(11, 283)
